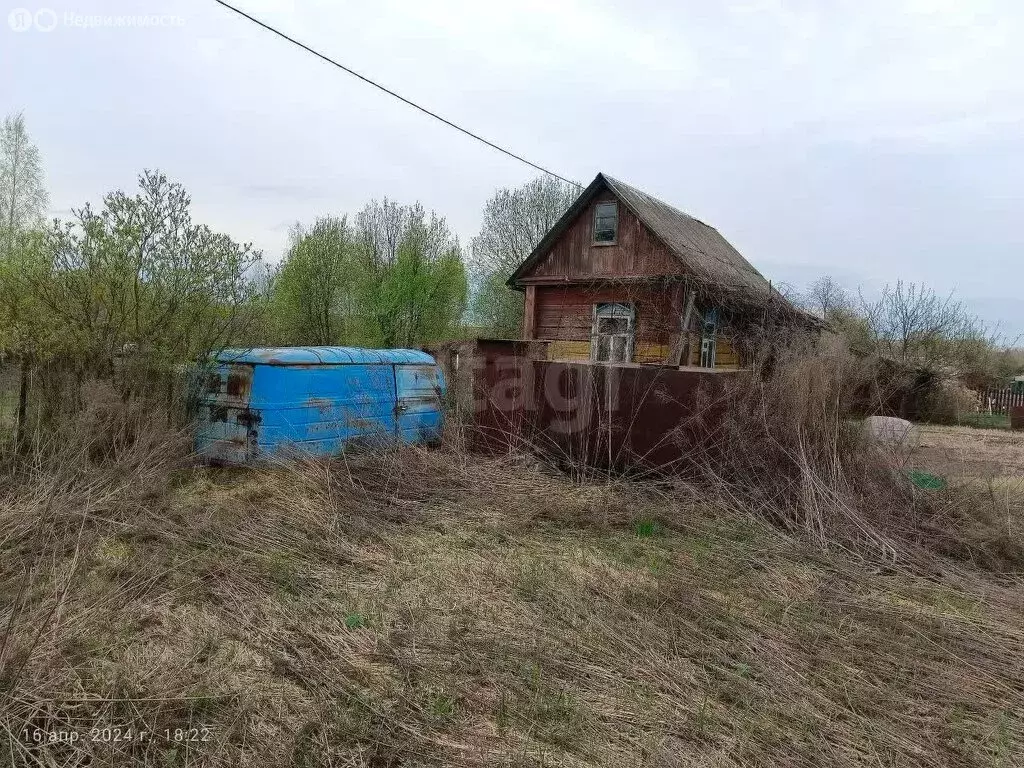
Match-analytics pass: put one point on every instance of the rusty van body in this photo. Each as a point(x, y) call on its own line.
point(258, 404)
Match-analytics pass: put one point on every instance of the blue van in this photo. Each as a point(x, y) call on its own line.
point(256, 404)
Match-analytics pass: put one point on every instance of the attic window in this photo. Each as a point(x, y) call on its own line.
point(606, 222)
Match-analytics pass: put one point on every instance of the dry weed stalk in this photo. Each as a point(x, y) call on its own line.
point(442, 608)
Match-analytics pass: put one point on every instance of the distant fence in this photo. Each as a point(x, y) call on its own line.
point(1002, 399)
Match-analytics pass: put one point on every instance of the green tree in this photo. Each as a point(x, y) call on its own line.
point(23, 201)
point(316, 290)
point(139, 275)
point(23, 197)
point(515, 221)
point(27, 331)
point(394, 279)
point(415, 287)
point(422, 297)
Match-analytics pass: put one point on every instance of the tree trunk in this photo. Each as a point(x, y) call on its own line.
point(22, 404)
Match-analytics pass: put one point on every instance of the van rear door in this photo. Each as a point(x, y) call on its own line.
point(418, 406)
point(227, 428)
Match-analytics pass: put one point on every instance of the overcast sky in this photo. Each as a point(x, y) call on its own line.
point(872, 140)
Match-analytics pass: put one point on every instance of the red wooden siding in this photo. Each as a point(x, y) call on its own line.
point(562, 288)
point(566, 312)
point(530, 313)
point(636, 253)
point(563, 314)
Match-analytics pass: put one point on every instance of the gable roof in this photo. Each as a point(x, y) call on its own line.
point(699, 247)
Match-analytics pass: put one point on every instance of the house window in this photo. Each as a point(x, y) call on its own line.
point(709, 331)
point(606, 222)
point(707, 352)
point(613, 332)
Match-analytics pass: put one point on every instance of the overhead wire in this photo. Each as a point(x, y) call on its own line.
point(393, 94)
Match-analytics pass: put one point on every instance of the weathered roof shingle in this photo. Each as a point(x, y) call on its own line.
point(699, 246)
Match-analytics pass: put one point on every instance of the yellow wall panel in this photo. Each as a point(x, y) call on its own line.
point(569, 350)
point(650, 353)
point(725, 354)
point(645, 352)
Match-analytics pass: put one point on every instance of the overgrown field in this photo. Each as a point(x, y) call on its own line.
point(440, 608)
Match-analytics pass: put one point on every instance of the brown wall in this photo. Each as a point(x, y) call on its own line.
point(1017, 417)
point(462, 360)
point(626, 417)
point(564, 315)
point(566, 312)
point(574, 255)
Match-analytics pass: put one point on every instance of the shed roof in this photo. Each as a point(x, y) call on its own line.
point(321, 356)
point(698, 246)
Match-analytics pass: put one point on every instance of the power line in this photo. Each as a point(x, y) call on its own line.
point(388, 91)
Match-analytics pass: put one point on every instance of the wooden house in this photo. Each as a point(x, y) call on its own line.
point(625, 277)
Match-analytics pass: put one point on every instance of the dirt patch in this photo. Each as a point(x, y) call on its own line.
point(971, 453)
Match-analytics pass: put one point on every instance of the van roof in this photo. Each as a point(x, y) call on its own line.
point(321, 356)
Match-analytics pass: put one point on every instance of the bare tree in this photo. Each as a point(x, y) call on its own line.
point(515, 221)
point(913, 324)
point(826, 298)
point(380, 227)
point(23, 197)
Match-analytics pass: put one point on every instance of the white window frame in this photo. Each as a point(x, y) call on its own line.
point(614, 309)
point(709, 338)
point(708, 351)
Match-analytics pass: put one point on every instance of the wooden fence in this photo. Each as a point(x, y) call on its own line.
point(1002, 399)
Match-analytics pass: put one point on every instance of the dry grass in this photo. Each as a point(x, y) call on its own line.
point(434, 608)
point(795, 602)
point(791, 451)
